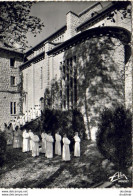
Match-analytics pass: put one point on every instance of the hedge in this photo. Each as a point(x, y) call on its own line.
point(114, 136)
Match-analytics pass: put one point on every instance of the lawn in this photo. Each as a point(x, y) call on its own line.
point(21, 170)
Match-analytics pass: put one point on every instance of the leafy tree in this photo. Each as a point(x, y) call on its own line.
point(100, 80)
point(15, 22)
point(114, 136)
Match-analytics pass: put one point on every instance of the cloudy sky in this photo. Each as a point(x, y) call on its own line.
point(53, 14)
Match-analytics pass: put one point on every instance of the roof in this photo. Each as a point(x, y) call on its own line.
point(101, 14)
point(33, 60)
point(11, 52)
point(42, 42)
point(122, 34)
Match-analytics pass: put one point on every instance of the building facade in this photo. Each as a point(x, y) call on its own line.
point(62, 56)
point(10, 61)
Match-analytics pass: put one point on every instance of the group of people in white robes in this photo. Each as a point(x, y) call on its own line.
point(13, 135)
point(31, 143)
point(32, 114)
point(47, 145)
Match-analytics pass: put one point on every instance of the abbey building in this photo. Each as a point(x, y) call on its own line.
point(63, 57)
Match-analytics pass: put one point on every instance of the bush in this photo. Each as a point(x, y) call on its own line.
point(114, 136)
point(3, 145)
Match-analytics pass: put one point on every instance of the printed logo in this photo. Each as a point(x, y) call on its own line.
point(120, 177)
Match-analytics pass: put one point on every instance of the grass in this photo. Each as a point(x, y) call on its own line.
point(21, 170)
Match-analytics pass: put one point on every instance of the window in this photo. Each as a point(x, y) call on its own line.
point(12, 108)
point(12, 80)
point(69, 83)
point(12, 62)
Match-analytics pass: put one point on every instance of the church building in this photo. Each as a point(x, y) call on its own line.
point(62, 56)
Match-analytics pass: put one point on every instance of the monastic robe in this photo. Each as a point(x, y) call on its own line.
point(26, 117)
point(30, 138)
point(29, 116)
point(66, 149)
point(14, 124)
point(16, 140)
point(43, 135)
point(9, 135)
point(20, 137)
point(39, 112)
point(34, 114)
point(49, 150)
point(23, 120)
point(35, 145)
point(58, 144)
point(26, 144)
point(77, 146)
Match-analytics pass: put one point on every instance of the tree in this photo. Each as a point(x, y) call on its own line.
point(15, 22)
point(114, 136)
point(100, 80)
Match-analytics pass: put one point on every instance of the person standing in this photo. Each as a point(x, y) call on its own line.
point(66, 149)
point(49, 151)
point(34, 114)
point(9, 136)
point(26, 143)
point(35, 145)
point(20, 137)
point(30, 138)
point(29, 116)
point(16, 138)
point(43, 136)
point(58, 144)
point(26, 117)
point(77, 145)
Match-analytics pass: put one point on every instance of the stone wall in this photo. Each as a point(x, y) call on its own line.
point(8, 93)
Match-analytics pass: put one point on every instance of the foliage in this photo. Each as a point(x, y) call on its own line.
point(124, 9)
point(114, 136)
point(16, 21)
point(3, 144)
point(52, 95)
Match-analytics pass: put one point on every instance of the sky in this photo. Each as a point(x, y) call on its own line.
point(53, 15)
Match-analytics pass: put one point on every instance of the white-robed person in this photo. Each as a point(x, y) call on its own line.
point(29, 116)
point(34, 114)
point(43, 136)
point(66, 149)
point(30, 138)
point(23, 120)
point(26, 117)
point(77, 145)
point(57, 143)
point(26, 143)
point(35, 145)
point(49, 145)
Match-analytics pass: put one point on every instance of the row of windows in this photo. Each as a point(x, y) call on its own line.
point(69, 83)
